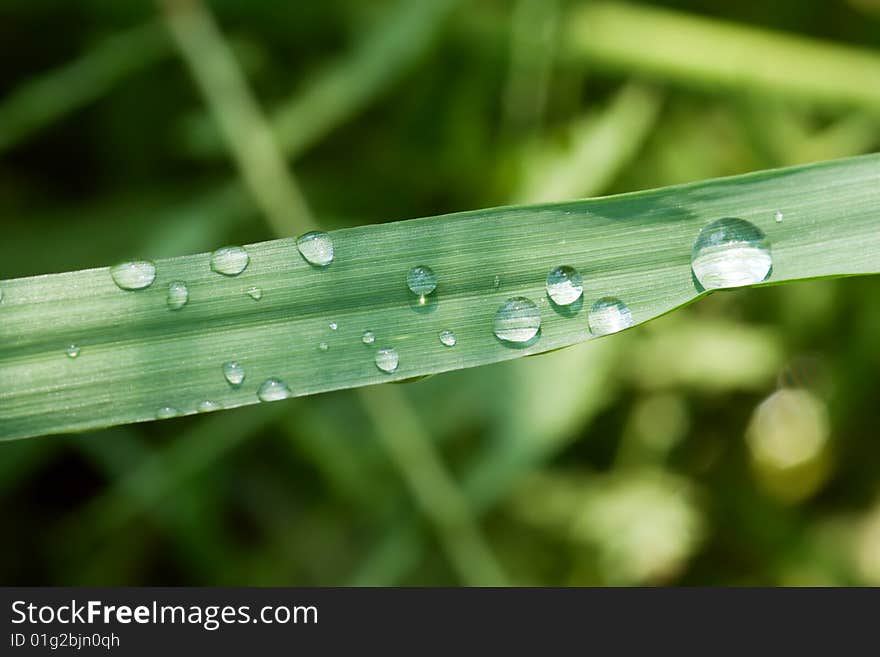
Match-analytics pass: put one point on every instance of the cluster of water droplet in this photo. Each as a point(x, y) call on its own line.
point(728, 252)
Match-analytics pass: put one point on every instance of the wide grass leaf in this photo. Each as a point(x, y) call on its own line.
point(138, 359)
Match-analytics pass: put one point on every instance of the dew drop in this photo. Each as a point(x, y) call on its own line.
point(368, 337)
point(421, 280)
point(207, 406)
point(72, 351)
point(564, 285)
point(273, 390)
point(778, 216)
point(387, 360)
point(323, 346)
point(333, 326)
point(233, 372)
point(517, 320)
point(134, 275)
point(731, 252)
point(229, 260)
point(447, 337)
point(496, 282)
point(167, 412)
point(178, 295)
point(254, 293)
point(316, 247)
point(609, 315)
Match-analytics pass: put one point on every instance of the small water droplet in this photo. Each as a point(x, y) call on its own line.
point(316, 247)
point(368, 337)
point(166, 412)
point(387, 360)
point(323, 346)
point(564, 285)
point(207, 406)
point(72, 351)
point(517, 320)
point(229, 260)
point(254, 293)
point(333, 326)
point(134, 275)
point(496, 282)
point(447, 337)
point(731, 252)
point(273, 390)
point(778, 216)
point(609, 315)
point(233, 372)
point(178, 295)
point(421, 280)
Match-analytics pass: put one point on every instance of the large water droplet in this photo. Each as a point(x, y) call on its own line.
point(447, 337)
point(229, 260)
point(609, 315)
point(731, 252)
point(72, 351)
point(421, 280)
point(134, 275)
point(368, 337)
point(564, 285)
point(387, 360)
point(316, 247)
point(166, 412)
point(273, 390)
point(207, 406)
point(233, 372)
point(254, 293)
point(517, 320)
point(178, 295)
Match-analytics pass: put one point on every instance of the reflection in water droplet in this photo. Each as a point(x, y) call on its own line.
point(273, 390)
point(387, 360)
point(447, 337)
point(316, 247)
point(178, 295)
point(730, 252)
point(333, 326)
point(517, 320)
point(368, 337)
point(229, 260)
point(166, 412)
point(135, 275)
point(323, 346)
point(255, 293)
point(207, 406)
point(609, 315)
point(564, 285)
point(233, 372)
point(72, 351)
point(778, 216)
point(421, 280)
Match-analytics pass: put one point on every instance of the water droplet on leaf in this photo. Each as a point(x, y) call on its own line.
point(368, 337)
point(421, 280)
point(178, 295)
point(229, 260)
point(387, 360)
point(517, 320)
point(233, 372)
point(316, 247)
point(134, 275)
point(447, 337)
point(609, 315)
point(255, 293)
point(564, 285)
point(273, 390)
point(731, 252)
point(72, 351)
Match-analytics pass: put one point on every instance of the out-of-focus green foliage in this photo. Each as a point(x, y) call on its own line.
point(733, 442)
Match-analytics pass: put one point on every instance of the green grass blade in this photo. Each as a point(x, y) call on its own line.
point(138, 356)
point(713, 54)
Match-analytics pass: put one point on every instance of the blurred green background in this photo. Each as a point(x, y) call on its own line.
point(732, 442)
